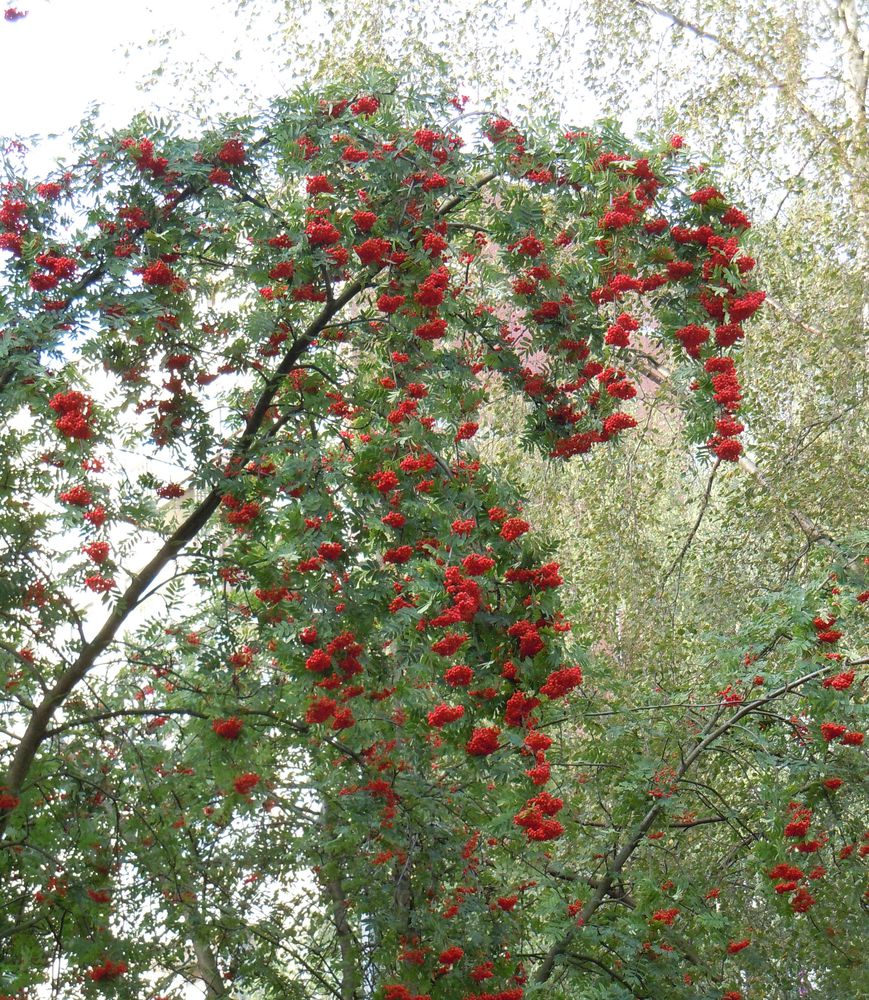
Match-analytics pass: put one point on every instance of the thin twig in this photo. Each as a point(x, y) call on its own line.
point(704, 504)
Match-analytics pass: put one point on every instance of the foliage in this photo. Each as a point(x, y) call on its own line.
point(254, 363)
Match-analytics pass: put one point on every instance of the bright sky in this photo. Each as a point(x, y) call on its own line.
point(67, 54)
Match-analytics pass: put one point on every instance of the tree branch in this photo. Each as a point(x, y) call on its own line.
point(708, 737)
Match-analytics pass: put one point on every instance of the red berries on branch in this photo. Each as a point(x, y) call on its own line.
point(360, 545)
point(108, 969)
point(245, 783)
point(75, 412)
point(227, 729)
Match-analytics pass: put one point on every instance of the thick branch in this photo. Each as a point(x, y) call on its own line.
point(37, 727)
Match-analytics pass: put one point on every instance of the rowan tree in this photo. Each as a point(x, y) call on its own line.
point(293, 706)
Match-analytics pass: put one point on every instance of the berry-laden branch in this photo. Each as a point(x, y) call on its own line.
point(37, 727)
point(813, 532)
point(707, 738)
point(190, 528)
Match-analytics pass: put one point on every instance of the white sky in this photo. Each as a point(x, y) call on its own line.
point(67, 54)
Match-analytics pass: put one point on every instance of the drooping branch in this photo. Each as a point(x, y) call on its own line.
point(677, 562)
point(815, 534)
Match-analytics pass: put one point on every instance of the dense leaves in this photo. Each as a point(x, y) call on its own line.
point(293, 705)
